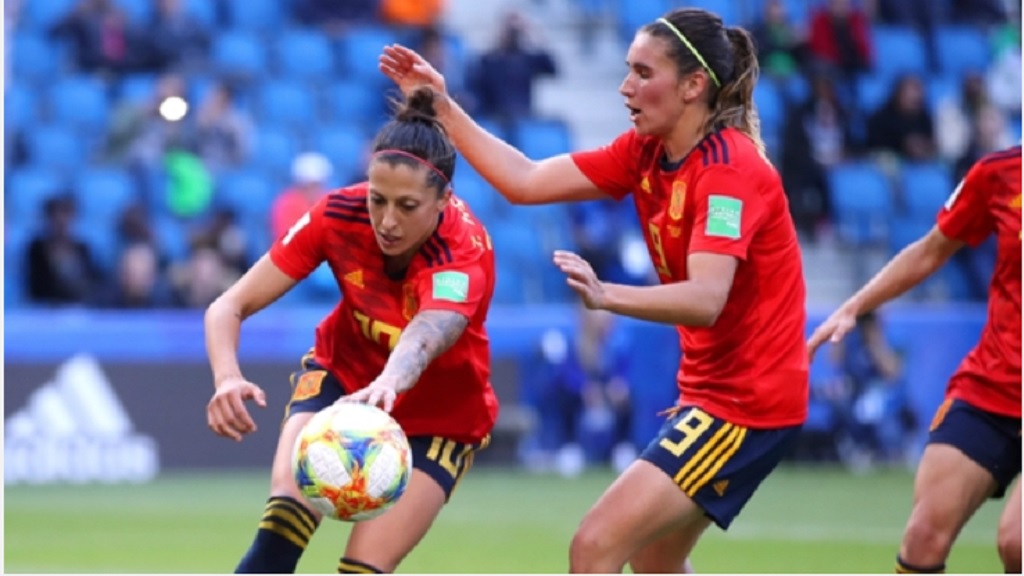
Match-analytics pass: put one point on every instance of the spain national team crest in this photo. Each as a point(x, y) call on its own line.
point(409, 304)
point(309, 385)
point(675, 204)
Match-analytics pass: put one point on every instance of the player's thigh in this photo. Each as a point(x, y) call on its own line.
point(439, 464)
point(669, 554)
point(698, 467)
point(313, 389)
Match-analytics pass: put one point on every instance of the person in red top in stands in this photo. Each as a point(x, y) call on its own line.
point(416, 273)
point(974, 448)
point(718, 230)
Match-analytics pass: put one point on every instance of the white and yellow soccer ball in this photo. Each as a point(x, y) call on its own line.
point(352, 462)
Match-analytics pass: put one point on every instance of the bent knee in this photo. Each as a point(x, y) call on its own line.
point(651, 565)
point(589, 550)
point(926, 543)
point(1009, 543)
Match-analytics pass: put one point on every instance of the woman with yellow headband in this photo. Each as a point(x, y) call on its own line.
point(718, 230)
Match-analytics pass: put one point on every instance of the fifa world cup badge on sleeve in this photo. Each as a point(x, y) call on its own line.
point(451, 286)
point(724, 215)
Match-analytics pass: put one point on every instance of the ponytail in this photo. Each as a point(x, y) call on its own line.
point(734, 104)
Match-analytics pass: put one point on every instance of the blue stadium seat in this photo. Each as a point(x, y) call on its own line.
point(539, 138)
point(962, 49)
point(274, 149)
point(79, 101)
point(304, 55)
point(20, 109)
point(900, 50)
point(171, 237)
point(861, 199)
point(346, 147)
point(472, 189)
point(631, 15)
point(925, 188)
point(873, 91)
point(136, 87)
point(905, 230)
point(350, 101)
point(260, 15)
point(34, 58)
point(360, 50)
point(16, 239)
point(103, 194)
point(204, 11)
point(248, 193)
point(728, 10)
point(103, 243)
point(770, 104)
point(41, 16)
point(518, 248)
point(28, 190)
point(139, 12)
point(940, 88)
point(55, 146)
point(238, 53)
point(798, 12)
point(286, 103)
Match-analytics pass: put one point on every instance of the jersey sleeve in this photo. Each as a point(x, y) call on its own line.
point(613, 168)
point(300, 250)
point(727, 213)
point(965, 216)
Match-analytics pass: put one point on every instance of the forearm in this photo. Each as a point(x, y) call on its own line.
point(430, 334)
point(688, 303)
point(504, 166)
point(907, 269)
point(223, 326)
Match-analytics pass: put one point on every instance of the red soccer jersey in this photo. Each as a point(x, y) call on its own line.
point(724, 198)
point(986, 202)
point(454, 270)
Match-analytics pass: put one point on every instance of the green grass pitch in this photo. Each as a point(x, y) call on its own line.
point(498, 521)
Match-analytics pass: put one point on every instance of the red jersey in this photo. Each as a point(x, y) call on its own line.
point(987, 202)
point(724, 198)
point(454, 270)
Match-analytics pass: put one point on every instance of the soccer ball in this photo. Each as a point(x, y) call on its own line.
point(352, 462)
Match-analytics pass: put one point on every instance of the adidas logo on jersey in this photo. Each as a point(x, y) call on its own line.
point(75, 429)
point(354, 278)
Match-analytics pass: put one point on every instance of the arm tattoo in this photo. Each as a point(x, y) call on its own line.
point(430, 334)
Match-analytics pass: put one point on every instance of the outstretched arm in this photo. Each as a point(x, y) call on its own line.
point(907, 269)
point(428, 335)
point(518, 178)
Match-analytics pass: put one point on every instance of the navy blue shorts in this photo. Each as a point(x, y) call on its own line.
point(991, 440)
point(446, 461)
point(719, 465)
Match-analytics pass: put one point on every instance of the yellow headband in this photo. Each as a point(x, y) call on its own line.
point(696, 54)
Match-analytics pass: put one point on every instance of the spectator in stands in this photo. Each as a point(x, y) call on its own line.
point(779, 45)
point(310, 174)
point(1004, 75)
point(203, 277)
point(585, 402)
point(332, 16)
point(903, 126)
point(840, 41)
point(956, 116)
point(597, 230)
point(433, 47)
point(61, 268)
point(101, 38)
point(504, 77)
point(139, 134)
point(177, 39)
point(139, 283)
point(873, 415)
point(223, 132)
point(816, 136)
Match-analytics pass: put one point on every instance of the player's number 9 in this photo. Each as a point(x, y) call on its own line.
point(662, 263)
point(695, 423)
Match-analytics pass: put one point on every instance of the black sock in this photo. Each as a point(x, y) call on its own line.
point(285, 530)
point(350, 566)
point(904, 568)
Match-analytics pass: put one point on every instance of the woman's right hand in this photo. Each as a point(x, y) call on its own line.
point(409, 70)
point(226, 413)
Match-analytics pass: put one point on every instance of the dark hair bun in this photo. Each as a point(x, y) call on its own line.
point(418, 106)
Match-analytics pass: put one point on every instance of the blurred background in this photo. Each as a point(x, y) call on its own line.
point(155, 148)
